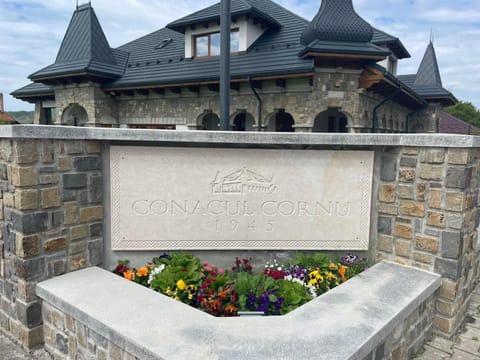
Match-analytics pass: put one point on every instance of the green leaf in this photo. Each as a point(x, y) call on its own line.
point(272, 298)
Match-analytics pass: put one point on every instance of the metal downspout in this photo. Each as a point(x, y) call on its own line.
point(259, 99)
point(375, 109)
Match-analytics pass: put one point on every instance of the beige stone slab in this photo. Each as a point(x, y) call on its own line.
point(167, 198)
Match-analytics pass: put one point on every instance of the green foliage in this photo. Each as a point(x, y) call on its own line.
point(23, 117)
point(293, 293)
point(465, 111)
point(317, 260)
point(179, 267)
point(248, 284)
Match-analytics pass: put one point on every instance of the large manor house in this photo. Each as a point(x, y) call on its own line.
point(336, 73)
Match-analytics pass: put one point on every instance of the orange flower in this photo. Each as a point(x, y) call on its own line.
point(230, 310)
point(222, 295)
point(143, 271)
point(129, 275)
point(342, 270)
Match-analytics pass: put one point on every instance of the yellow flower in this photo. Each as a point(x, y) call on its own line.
point(143, 271)
point(330, 276)
point(167, 291)
point(332, 266)
point(181, 285)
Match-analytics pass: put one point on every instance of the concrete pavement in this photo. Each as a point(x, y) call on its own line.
point(11, 351)
point(465, 345)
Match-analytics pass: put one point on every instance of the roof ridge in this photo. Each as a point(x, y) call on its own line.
point(287, 10)
point(247, 3)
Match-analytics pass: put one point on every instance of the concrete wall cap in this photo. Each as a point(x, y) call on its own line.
point(346, 323)
point(236, 139)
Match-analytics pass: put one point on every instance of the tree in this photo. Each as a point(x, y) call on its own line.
point(465, 111)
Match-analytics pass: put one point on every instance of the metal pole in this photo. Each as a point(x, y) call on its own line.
point(225, 65)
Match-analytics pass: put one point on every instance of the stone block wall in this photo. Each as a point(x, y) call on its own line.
point(69, 338)
point(428, 217)
point(407, 338)
point(51, 216)
point(304, 98)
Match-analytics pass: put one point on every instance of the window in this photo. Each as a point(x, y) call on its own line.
point(209, 44)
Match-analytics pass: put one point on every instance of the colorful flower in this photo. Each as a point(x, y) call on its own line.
point(143, 271)
point(129, 275)
point(181, 285)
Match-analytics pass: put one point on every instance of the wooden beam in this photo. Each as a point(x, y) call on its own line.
point(369, 78)
point(143, 92)
point(175, 89)
point(281, 83)
point(345, 56)
point(213, 87)
point(257, 84)
point(194, 88)
point(159, 91)
point(126, 92)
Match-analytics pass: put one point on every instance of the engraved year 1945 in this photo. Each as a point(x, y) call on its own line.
point(235, 225)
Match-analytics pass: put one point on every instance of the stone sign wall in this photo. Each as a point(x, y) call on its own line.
point(180, 198)
point(55, 217)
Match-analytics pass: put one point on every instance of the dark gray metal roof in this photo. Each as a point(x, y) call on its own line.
point(356, 48)
point(428, 73)
point(337, 21)
point(143, 63)
point(34, 92)
point(33, 89)
point(381, 38)
point(274, 53)
point(84, 49)
point(212, 13)
point(428, 82)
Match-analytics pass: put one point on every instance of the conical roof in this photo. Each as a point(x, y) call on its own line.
point(427, 82)
point(428, 73)
point(84, 50)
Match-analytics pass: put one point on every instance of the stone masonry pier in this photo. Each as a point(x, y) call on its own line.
point(55, 208)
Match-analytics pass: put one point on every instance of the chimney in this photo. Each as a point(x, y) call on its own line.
point(1, 102)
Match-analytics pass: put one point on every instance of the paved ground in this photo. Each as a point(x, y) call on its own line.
point(10, 351)
point(465, 346)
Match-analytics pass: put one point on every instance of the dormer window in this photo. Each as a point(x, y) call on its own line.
point(209, 44)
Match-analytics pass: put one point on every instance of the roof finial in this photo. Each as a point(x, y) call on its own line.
point(432, 36)
point(77, 4)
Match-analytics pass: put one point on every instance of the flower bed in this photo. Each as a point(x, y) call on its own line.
point(279, 289)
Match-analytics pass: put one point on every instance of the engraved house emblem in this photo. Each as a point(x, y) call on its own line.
point(242, 181)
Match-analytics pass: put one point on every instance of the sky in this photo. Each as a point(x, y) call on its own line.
point(31, 32)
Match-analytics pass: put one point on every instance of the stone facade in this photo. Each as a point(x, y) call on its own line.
point(68, 338)
point(407, 339)
point(51, 217)
point(428, 218)
point(424, 214)
point(303, 98)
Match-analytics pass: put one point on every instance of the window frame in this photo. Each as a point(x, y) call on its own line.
point(209, 34)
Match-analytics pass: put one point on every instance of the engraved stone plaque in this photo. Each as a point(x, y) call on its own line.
point(165, 198)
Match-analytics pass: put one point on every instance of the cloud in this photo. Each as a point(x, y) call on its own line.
point(31, 32)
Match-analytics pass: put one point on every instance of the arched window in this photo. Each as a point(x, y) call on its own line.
point(243, 121)
point(331, 120)
point(208, 121)
point(74, 115)
point(284, 122)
